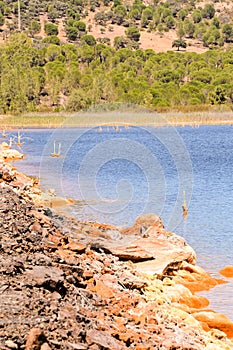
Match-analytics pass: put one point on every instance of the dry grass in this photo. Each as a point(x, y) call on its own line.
point(114, 118)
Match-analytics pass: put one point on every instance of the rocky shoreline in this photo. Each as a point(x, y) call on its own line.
point(69, 284)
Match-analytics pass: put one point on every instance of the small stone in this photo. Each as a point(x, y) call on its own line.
point(35, 339)
point(36, 227)
point(75, 246)
point(45, 346)
point(103, 339)
point(11, 345)
point(77, 346)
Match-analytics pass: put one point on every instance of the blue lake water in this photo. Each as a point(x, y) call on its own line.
point(116, 175)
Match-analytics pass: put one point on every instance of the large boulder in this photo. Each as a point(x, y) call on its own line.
point(10, 154)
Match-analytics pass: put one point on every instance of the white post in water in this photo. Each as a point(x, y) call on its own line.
point(19, 17)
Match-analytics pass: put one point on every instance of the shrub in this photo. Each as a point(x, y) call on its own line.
point(89, 40)
point(72, 33)
point(34, 27)
point(81, 26)
point(78, 100)
point(52, 39)
point(197, 16)
point(208, 11)
point(227, 32)
point(133, 33)
point(120, 42)
point(2, 19)
point(50, 29)
point(217, 96)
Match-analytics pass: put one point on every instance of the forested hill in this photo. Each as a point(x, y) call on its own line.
point(134, 23)
point(42, 77)
point(67, 55)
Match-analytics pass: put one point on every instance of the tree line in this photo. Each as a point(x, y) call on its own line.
point(40, 76)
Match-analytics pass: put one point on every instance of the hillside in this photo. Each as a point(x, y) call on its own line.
point(73, 55)
point(160, 23)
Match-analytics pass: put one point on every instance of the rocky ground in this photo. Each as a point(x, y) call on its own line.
point(67, 284)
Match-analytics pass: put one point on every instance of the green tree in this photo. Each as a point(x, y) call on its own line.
point(215, 22)
point(200, 30)
point(71, 79)
point(208, 11)
point(117, 3)
point(101, 18)
point(197, 16)
point(180, 30)
point(2, 6)
point(203, 75)
point(72, 33)
point(179, 43)
point(52, 53)
point(21, 82)
point(170, 22)
point(55, 74)
point(119, 14)
point(80, 25)
point(52, 13)
point(218, 96)
point(120, 42)
point(70, 52)
point(164, 12)
point(50, 29)
point(211, 37)
point(181, 15)
point(2, 19)
point(227, 32)
point(189, 28)
point(34, 27)
point(72, 14)
point(78, 100)
point(87, 54)
point(103, 52)
point(133, 33)
point(89, 40)
point(147, 15)
point(52, 39)
point(135, 13)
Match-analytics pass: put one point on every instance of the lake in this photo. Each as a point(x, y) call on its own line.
point(118, 173)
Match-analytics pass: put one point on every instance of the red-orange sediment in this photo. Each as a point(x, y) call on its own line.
point(227, 271)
